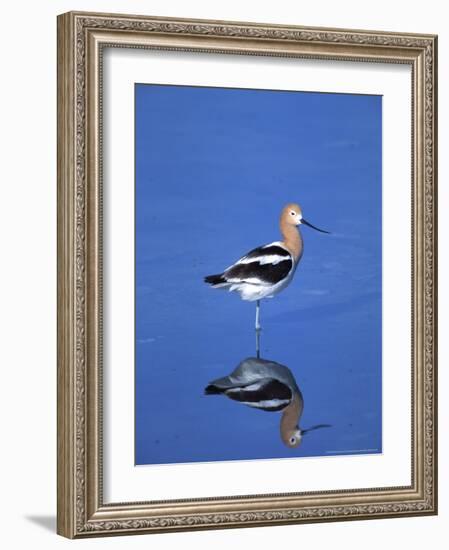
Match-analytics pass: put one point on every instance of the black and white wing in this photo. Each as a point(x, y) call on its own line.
point(267, 394)
point(265, 265)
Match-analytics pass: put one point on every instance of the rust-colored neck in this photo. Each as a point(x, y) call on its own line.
point(292, 238)
point(290, 418)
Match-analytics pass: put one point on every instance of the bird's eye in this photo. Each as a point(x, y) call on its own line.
point(292, 440)
point(292, 213)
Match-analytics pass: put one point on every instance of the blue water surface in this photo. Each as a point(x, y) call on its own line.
point(214, 167)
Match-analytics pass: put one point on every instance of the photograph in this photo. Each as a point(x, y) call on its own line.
point(258, 274)
point(247, 283)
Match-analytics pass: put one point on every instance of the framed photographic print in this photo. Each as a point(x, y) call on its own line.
point(246, 274)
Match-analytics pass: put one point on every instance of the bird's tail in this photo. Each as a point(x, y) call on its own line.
point(211, 389)
point(215, 280)
point(220, 385)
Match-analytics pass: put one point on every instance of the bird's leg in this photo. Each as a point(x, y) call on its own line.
point(258, 327)
point(258, 343)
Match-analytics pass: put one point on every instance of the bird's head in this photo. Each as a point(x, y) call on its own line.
point(292, 438)
point(292, 215)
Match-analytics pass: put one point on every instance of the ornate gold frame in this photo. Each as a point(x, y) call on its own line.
point(81, 37)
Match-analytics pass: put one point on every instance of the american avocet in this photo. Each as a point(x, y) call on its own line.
point(268, 386)
point(266, 270)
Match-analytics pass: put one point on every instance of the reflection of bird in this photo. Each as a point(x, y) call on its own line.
point(268, 386)
point(266, 270)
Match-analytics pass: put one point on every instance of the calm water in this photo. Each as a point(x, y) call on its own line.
point(213, 169)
